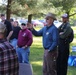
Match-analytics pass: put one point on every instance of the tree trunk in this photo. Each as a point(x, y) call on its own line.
point(29, 18)
point(8, 12)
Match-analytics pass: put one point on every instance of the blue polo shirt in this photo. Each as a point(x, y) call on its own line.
point(50, 36)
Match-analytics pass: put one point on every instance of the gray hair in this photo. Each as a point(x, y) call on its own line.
point(3, 28)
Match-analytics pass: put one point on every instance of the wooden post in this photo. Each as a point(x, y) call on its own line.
point(29, 18)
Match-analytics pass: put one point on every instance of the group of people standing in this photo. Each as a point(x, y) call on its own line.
point(15, 42)
point(56, 43)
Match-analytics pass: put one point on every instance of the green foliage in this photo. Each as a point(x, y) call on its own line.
point(17, 9)
point(38, 8)
point(66, 5)
point(22, 2)
point(2, 9)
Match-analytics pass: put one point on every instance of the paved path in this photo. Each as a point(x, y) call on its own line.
point(25, 69)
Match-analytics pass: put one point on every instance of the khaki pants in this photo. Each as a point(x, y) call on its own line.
point(49, 63)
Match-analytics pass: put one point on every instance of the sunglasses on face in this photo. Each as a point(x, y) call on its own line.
point(47, 18)
point(23, 24)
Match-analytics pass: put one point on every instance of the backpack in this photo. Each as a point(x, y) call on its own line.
point(71, 36)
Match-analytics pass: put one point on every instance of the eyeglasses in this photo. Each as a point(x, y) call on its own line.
point(47, 18)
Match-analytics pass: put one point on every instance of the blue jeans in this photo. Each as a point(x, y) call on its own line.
point(14, 42)
point(23, 54)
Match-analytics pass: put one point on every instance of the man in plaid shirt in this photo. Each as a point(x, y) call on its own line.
point(8, 59)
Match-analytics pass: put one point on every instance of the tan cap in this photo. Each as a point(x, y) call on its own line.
point(51, 15)
point(2, 27)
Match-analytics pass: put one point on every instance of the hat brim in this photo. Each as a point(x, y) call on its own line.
point(50, 17)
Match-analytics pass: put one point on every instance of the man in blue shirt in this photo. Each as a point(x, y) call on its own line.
point(50, 42)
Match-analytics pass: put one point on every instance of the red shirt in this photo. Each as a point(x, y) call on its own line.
point(25, 38)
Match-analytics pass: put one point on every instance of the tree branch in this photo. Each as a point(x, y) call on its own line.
point(72, 14)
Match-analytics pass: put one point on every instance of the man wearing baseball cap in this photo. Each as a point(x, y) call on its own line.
point(50, 42)
point(65, 38)
point(25, 40)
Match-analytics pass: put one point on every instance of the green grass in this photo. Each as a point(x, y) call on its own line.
point(36, 55)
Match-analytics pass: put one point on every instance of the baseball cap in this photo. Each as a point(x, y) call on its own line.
point(65, 15)
point(11, 20)
point(23, 24)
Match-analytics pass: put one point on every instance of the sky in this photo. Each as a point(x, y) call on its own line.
point(1, 1)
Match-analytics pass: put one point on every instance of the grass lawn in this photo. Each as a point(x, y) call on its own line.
point(36, 55)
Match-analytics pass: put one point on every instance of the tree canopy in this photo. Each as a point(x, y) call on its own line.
point(23, 8)
point(66, 5)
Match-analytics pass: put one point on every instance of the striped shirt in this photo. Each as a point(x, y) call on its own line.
point(8, 59)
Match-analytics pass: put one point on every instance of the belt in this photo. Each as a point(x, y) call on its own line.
point(19, 46)
point(46, 48)
point(53, 49)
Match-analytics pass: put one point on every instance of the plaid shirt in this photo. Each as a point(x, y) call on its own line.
point(8, 59)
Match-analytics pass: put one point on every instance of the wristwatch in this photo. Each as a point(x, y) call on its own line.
point(25, 46)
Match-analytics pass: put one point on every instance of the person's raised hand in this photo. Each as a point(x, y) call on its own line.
point(30, 26)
